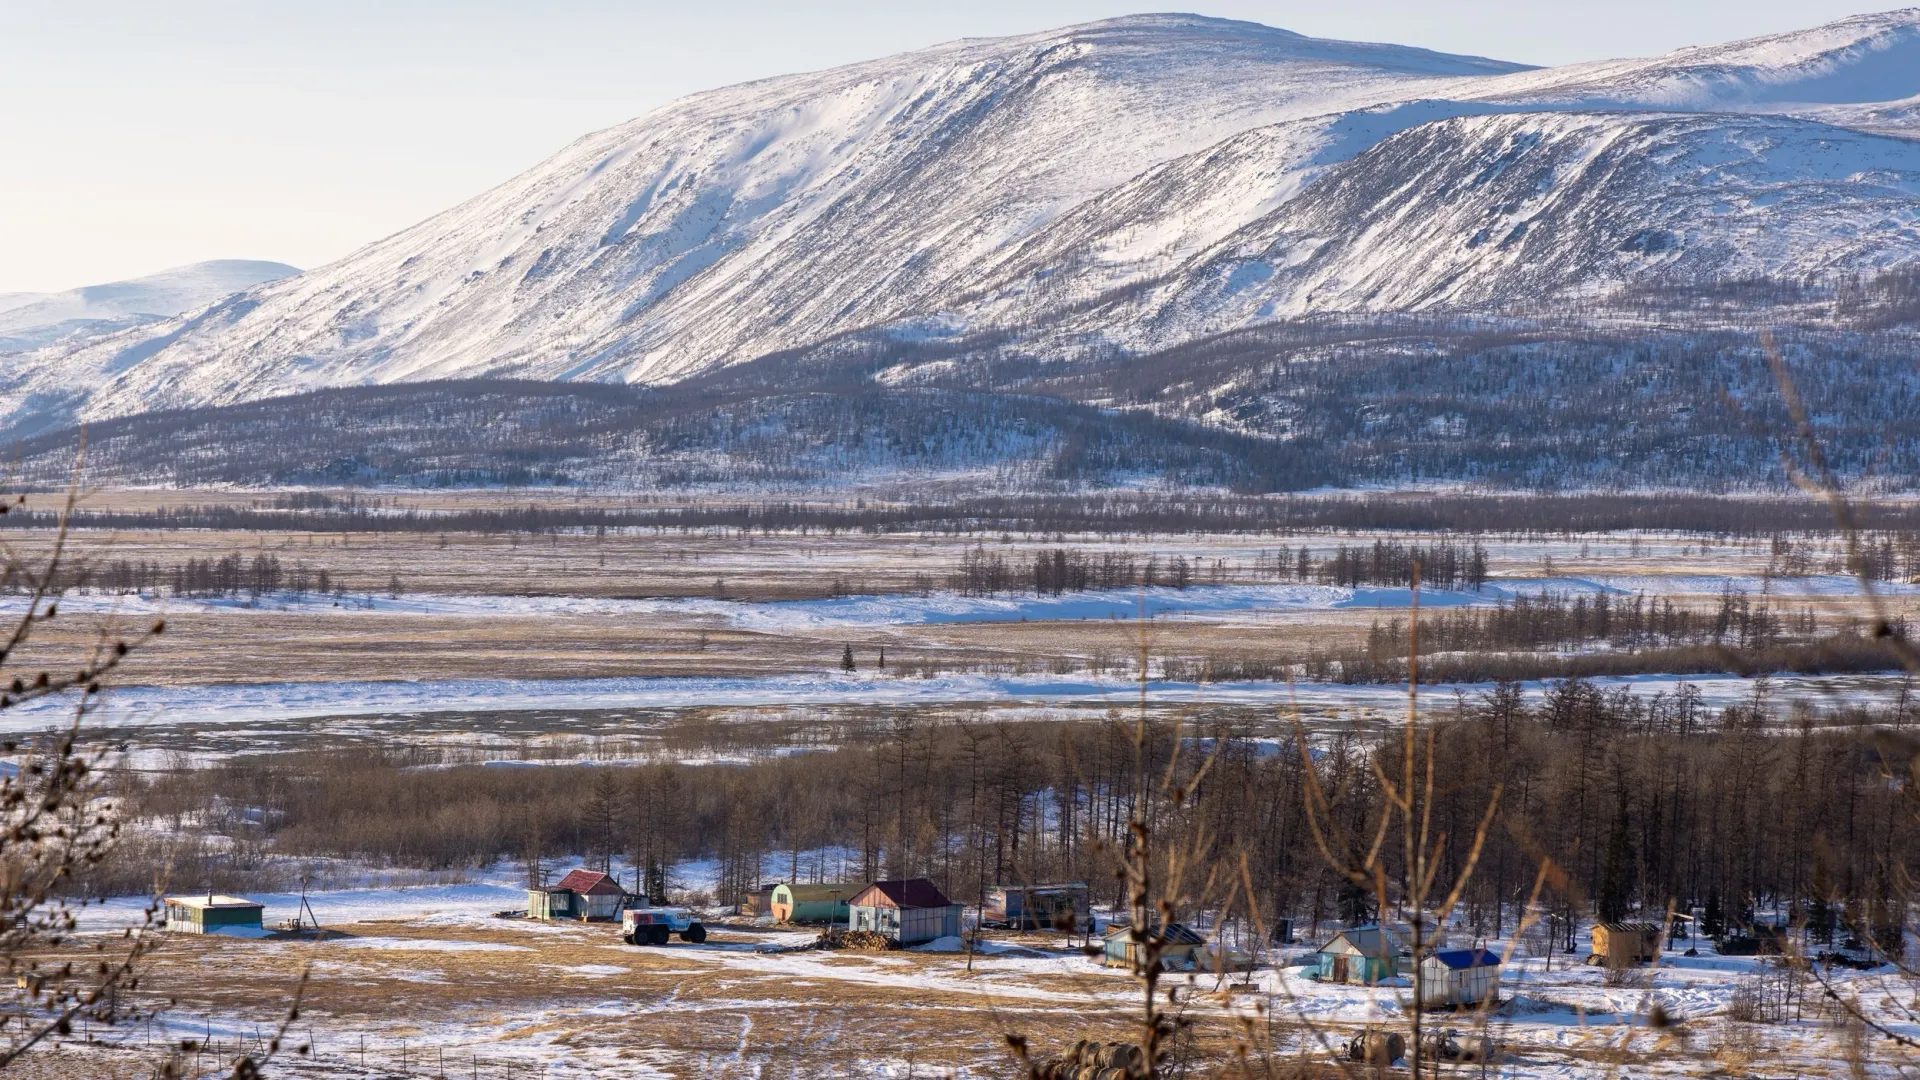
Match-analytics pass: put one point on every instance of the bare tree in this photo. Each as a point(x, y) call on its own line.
point(1408, 802)
point(601, 819)
point(57, 822)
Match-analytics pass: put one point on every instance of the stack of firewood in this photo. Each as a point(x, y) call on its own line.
point(872, 940)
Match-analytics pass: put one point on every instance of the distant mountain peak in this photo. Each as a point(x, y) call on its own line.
point(31, 320)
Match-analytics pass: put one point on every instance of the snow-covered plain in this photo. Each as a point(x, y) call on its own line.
point(262, 707)
point(240, 706)
point(801, 615)
point(1203, 602)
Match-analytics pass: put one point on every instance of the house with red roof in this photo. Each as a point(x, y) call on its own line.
point(583, 894)
point(912, 911)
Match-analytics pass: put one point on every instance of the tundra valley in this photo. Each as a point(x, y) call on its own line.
point(1161, 548)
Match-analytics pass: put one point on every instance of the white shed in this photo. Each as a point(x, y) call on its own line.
point(1459, 977)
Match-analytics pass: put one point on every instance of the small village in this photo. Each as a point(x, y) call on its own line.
point(1477, 995)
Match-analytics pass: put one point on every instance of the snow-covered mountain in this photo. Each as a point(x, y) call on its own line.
point(1809, 199)
point(1131, 183)
point(1485, 210)
point(30, 320)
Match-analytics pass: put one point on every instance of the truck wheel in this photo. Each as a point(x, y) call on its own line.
point(695, 934)
point(628, 938)
point(658, 936)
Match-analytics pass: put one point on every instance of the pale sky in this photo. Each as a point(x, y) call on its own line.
point(140, 135)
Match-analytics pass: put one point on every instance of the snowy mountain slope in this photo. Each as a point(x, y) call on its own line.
point(764, 216)
point(1881, 117)
point(30, 320)
point(1124, 182)
point(1864, 58)
point(1150, 225)
point(1506, 207)
point(1143, 229)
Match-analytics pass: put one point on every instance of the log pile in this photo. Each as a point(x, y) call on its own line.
point(1092, 1060)
point(870, 940)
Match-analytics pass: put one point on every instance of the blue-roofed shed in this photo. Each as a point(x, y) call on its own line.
point(1459, 977)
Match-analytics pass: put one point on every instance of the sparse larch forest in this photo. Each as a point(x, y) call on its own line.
point(1651, 801)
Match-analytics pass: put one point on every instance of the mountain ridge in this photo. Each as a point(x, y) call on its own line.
point(1098, 186)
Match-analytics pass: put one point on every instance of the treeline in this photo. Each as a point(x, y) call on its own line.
point(1388, 562)
point(809, 431)
point(1545, 403)
point(1840, 653)
point(1061, 570)
point(1557, 621)
point(229, 575)
point(1553, 635)
point(1888, 542)
point(1527, 400)
point(1643, 800)
point(1051, 572)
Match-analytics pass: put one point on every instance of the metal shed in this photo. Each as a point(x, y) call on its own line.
point(911, 911)
point(1059, 905)
point(1118, 948)
point(822, 903)
point(583, 894)
point(1363, 955)
point(1455, 977)
point(214, 914)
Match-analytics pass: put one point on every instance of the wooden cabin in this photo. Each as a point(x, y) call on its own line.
point(820, 903)
point(1118, 949)
point(758, 901)
point(1057, 906)
point(588, 895)
point(1459, 978)
point(214, 914)
point(1621, 944)
point(909, 911)
point(1361, 955)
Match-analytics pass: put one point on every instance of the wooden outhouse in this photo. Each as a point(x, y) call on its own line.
point(214, 914)
point(1118, 948)
point(910, 911)
point(1454, 978)
point(1625, 943)
point(583, 894)
point(823, 903)
point(1058, 906)
point(1362, 955)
